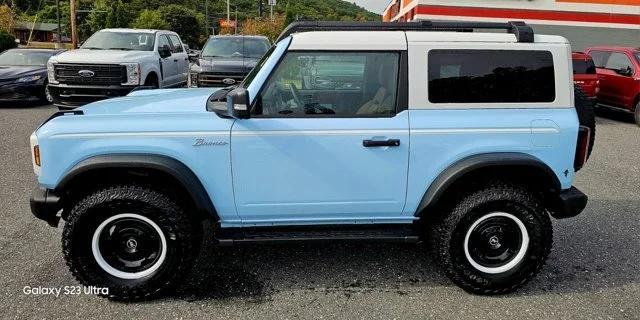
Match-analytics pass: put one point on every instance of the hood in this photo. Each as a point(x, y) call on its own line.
point(227, 65)
point(192, 100)
point(101, 56)
point(12, 72)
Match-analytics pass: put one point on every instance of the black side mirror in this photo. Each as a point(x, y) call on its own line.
point(164, 51)
point(238, 104)
point(625, 71)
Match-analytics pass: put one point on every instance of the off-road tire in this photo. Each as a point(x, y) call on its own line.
point(182, 240)
point(448, 238)
point(585, 108)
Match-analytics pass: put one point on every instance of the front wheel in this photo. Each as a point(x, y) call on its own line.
point(494, 240)
point(46, 94)
point(636, 113)
point(135, 241)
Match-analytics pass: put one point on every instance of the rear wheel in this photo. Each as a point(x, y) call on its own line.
point(133, 240)
point(494, 240)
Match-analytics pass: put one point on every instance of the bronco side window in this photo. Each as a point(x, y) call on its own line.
point(491, 76)
point(333, 84)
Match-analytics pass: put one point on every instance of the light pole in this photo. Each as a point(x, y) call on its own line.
point(228, 11)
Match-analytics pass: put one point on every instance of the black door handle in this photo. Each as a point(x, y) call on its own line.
point(381, 143)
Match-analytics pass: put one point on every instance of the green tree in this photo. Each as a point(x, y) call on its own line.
point(97, 18)
point(150, 19)
point(7, 41)
point(118, 16)
point(183, 21)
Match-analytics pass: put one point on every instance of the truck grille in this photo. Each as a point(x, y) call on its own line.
point(216, 79)
point(103, 74)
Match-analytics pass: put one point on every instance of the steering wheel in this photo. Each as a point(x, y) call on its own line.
point(296, 95)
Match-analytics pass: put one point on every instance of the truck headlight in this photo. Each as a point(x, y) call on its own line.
point(133, 74)
point(35, 154)
point(51, 74)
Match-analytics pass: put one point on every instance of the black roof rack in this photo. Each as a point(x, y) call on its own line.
point(522, 31)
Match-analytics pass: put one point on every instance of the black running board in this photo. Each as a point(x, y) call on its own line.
point(268, 235)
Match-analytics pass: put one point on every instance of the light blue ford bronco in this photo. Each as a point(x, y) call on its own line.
point(411, 132)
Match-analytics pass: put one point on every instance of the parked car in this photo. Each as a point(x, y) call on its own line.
point(584, 74)
point(23, 75)
point(113, 62)
point(474, 154)
point(226, 60)
point(618, 70)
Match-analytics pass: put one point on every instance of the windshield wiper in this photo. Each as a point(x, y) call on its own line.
point(125, 49)
point(92, 48)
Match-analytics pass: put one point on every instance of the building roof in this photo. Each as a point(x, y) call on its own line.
point(39, 26)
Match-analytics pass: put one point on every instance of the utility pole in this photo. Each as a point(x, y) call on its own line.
point(206, 16)
point(74, 29)
point(59, 23)
point(236, 24)
point(228, 11)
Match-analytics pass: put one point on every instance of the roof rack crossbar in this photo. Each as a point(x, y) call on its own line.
point(522, 31)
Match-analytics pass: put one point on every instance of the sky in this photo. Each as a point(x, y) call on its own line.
point(376, 6)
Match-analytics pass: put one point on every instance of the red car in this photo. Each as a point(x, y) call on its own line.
point(618, 70)
point(584, 74)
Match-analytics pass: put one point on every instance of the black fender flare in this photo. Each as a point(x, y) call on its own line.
point(178, 170)
point(479, 161)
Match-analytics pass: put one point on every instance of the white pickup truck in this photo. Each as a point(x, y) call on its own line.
point(112, 62)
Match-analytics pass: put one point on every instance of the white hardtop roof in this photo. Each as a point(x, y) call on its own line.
point(397, 40)
point(354, 40)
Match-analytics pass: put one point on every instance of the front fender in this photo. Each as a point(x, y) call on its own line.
point(165, 164)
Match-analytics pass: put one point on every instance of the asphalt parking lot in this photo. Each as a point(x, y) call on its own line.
point(593, 271)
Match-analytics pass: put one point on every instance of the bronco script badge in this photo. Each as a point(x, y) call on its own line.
point(204, 143)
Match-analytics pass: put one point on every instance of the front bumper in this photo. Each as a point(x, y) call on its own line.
point(45, 205)
point(71, 96)
point(568, 203)
point(22, 91)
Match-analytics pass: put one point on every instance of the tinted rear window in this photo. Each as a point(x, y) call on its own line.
point(581, 66)
point(491, 76)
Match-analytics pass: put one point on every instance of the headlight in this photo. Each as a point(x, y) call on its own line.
point(133, 74)
point(29, 78)
point(51, 72)
point(35, 154)
point(193, 80)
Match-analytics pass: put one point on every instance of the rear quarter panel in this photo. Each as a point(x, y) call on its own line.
point(443, 134)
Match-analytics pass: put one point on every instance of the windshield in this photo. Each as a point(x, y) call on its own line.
point(249, 78)
point(25, 58)
point(637, 55)
point(235, 47)
point(106, 40)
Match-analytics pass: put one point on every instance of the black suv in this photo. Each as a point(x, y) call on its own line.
point(226, 60)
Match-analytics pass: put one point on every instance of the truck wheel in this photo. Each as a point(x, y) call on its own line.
point(46, 94)
point(636, 113)
point(494, 240)
point(133, 240)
